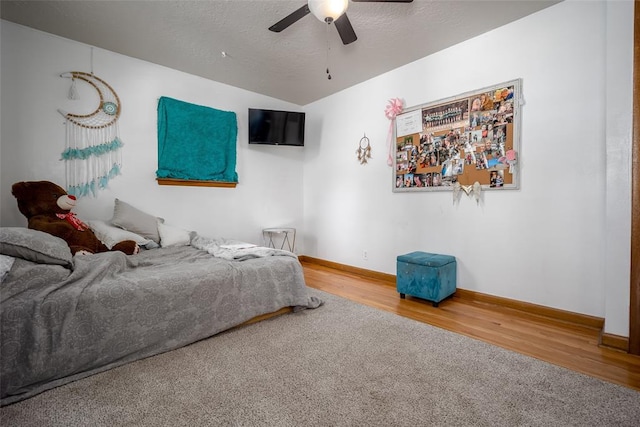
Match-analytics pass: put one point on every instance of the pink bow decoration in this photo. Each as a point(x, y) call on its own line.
point(71, 219)
point(394, 107)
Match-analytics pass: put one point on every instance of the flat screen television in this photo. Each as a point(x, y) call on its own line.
point(273, 127)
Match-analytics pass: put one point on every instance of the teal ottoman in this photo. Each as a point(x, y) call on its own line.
point(427, 276)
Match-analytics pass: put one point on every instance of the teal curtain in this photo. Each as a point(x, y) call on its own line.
point(196, 142)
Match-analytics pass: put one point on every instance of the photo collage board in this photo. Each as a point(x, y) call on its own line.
point(469, 138)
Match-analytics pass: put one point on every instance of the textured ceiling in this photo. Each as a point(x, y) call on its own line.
point(191, 35)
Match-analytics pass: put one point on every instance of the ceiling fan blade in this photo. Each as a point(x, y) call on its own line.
point(382, 1)
point(290, 19)
point(345, 29)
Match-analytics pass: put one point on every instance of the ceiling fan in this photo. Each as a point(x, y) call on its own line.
point(328, 11)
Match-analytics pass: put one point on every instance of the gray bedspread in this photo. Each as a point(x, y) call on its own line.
point(60, 325)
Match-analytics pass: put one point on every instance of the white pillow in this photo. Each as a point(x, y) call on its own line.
point(110, 235)
point(173, 236)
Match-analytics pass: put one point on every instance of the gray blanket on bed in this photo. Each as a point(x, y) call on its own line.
point(59, 325)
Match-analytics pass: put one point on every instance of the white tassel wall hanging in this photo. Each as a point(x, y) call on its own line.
point(73, 91)
point(93, 146)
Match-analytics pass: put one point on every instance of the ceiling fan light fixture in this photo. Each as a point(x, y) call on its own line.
point(328, 10)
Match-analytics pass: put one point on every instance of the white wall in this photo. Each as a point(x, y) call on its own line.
point(619, 104)
point(33, 136)
point(562, 240)
point(545, 243)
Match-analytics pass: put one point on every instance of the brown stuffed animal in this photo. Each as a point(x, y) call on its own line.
point(48, 208)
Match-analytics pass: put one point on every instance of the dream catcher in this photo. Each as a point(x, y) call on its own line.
point(93, 148)
point(364, 150)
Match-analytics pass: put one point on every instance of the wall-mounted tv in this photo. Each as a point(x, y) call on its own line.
point(273, 127)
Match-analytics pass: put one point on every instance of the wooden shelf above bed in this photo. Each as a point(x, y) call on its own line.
point(195, 183)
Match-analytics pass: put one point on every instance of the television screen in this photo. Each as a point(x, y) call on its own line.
point(274, 127)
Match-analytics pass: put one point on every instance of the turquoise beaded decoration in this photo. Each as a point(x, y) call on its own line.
point(110, 108)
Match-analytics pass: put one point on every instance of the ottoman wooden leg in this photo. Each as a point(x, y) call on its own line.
point(402, 296)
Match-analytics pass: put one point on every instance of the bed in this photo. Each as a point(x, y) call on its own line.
point(64, 318)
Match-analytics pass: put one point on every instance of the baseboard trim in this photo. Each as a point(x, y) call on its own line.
point(529, 308)
point(616, 342)
point(389, 278)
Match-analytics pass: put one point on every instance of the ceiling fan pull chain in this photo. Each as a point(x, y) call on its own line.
point(328, 49)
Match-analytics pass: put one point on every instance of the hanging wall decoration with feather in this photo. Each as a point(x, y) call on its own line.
point(93, 146)
point(364, 150)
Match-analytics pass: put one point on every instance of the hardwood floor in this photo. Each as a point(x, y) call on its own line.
point(562, 343)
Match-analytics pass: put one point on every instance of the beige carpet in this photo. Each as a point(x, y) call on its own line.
point(343, 364)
